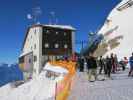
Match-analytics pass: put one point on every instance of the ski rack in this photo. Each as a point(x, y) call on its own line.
point(125, 5)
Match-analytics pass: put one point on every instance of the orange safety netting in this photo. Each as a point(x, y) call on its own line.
point(63, 87)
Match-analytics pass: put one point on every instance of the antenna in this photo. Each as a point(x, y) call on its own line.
point(36, 12)
point(56, 21)
point(53, 19)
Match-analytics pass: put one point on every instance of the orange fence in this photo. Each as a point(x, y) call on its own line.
point(63, 87)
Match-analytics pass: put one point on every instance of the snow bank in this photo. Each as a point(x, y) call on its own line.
point(39, 88)
point(5, 90)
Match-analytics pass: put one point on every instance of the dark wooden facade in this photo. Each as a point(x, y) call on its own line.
point(56, 41)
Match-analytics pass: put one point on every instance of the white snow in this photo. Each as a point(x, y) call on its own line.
point(5, 90)
point(122, 25)
point(56, 69)
point(62, 26)
point(25, 53)
point(39, 88)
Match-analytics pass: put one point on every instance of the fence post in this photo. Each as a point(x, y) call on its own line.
point(55, 90)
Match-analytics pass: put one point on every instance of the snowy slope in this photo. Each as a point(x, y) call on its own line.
point(119, 27)
point(39, 88)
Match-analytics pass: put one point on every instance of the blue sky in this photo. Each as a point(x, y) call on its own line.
point(84, 15)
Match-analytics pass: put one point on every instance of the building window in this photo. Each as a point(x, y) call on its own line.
point(29, 60)
point(47, 31)
point(34, 46)
point(65, 46)
point(65, 33)
point(21, 59)
point(35, 31)
point(46, 45)
point(57, 33)
point(35, 58)
point(31, 47)
point(56, 45)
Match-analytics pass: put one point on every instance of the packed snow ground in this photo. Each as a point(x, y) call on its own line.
point(39, 88)
point(120, 88)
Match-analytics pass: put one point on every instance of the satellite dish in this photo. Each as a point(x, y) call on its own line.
point(91, 34)
point(29, 16)
point(34, 16)
point(52, 13)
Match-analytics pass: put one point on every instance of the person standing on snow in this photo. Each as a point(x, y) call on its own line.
point(125, 61)
point(131, 66)
point(81, 64)
point(113, 63)
point(109, 66)
point(92, 67)
point(116, 62)
point(102, 65)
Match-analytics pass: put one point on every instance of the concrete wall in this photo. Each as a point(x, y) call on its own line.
point(33, 44)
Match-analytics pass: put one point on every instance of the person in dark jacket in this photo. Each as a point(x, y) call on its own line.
point(113, 63)
point(81, 64)
point(92, 67)
point(101, 64)
point(131, 66)
point(109, 66)
point(122, 64)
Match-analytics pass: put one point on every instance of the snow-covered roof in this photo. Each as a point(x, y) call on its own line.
point(25, 53)
point(65, 27)
point(57, 69)
point(61, 26)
